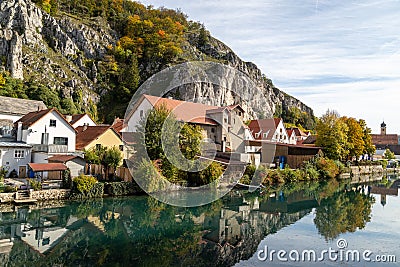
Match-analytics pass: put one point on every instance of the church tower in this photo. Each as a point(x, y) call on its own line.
point(383, 128)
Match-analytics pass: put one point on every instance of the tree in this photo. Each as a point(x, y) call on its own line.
point(389, 154)
point(369, 148)
point(332, 135)
point(112, 157)
point(355, 141)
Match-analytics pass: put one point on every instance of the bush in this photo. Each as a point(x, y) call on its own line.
point(245, 179)
point(290, 175)
point(36, 185)
point(310, 171)
point(83, 183)
point(273, 177)
point(86, 187)
point(121, 189)
point(327, 167)
point(10, 189)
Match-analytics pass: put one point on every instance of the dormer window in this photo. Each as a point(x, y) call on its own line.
point(53, 123)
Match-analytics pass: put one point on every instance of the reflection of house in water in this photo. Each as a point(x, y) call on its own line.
point(383, 191)
point(248, 219)
point(41, 233)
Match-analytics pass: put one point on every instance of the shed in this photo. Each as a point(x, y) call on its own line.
point(44, 169)
point(74, 163)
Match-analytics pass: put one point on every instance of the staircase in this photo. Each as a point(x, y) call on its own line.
point(5, 246)
point(23, 197)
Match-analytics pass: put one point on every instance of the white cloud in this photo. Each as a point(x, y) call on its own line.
point(330, 54)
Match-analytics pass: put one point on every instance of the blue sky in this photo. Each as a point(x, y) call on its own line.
point(341, 55)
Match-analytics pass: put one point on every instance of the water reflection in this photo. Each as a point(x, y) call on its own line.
point(141, 231)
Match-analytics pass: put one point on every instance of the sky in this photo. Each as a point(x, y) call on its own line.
point(340, 55)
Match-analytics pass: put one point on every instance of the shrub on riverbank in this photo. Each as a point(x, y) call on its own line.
point(85, 186)
point(122, 189)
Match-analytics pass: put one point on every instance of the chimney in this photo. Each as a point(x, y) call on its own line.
point(19, 132)
point(68, 118)
point(84, 127)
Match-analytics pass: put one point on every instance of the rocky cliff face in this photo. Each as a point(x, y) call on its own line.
point(65, 52)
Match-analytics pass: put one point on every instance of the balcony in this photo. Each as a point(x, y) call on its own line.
point(50, 148)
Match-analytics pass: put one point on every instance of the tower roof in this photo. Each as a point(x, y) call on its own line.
point(383, 125)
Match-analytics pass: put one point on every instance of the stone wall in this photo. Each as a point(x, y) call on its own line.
point(364, 170)
point(51, 194)
point(6, 197)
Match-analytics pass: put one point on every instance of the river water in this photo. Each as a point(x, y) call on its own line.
point(304, 224)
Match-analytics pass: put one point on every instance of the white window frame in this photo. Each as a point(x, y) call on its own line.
point(19, 153)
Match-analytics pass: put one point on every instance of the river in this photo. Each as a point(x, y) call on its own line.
point(326, 223)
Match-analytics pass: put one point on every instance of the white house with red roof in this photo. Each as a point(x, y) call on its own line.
point(216, 122)
point(47, 131)
point(272, 130)
point(77, 120)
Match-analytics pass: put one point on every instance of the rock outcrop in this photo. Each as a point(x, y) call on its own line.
point(64, 53)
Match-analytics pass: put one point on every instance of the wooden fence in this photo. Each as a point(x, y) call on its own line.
point(96, 170)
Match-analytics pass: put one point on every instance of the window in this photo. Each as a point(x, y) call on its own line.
point(280, 130)
point(257, 135)
point(121, 147)
point(61, 141)
point(19, 154)
point(265, 135)
point(240, 113)
point(53, 123)
point(141, 113)
point(213, 130)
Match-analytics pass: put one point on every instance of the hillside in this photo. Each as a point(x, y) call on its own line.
point(92, 55)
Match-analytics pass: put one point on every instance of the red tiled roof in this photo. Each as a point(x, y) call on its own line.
point(183, 110)
point(32, 117)
point(76, 118)
point(86, 134)
point(265, 125)
point(386, 139)
point(37, 167)
point(62, 158)
point(118, 125)
point(298, 132)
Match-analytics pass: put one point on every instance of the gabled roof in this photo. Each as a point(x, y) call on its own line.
point(290, 132)
point(183, 110)
point(32, 117)
point(232, 107)
point(310, 140)
point(76, 118)
point(63, 158)
point(298, 131)
point(265, 126)
point(19, 107)
point(86, 134)
point(118, 125)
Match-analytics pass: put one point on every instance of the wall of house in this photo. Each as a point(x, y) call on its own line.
point(107, 139)
point(293, 139)
point(85, 120)
point(135, 118)
point(9, 162)
point(281, 135)
point(76, 166)
point(33, 135)
point(40, 157)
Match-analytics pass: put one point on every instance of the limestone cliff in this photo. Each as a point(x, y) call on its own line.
point(66, 51)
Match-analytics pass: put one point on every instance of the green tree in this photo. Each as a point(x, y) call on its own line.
point(112, 157)
point(389, 154)
point(332, 135)
point(355, 134)
point(369, 147)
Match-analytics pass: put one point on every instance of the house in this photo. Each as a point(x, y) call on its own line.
point(300, 135)
point(74, 163)
point(269, 129)
point(292, 136)
point(80, 120)
point(383, 139)
point(216, 122)
point(282, 154)
point(46, 127)
point(97, 136)
point(309, 141)
point(15, 157)
point(12, 109)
